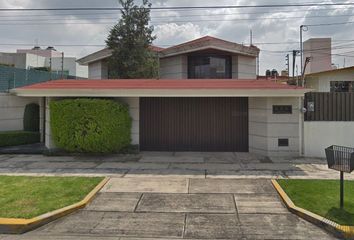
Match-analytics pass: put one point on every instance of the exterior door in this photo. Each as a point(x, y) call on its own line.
point(210, 124)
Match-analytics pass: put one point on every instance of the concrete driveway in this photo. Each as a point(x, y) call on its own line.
point(177, 196)
point(160, 208)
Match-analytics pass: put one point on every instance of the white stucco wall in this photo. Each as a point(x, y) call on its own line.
point(320, 135)
point(322, 82)
point(11, 111)
point(98, 70)
point(265, 128)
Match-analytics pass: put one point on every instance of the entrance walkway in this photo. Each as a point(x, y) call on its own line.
point(170, 165)
point(181, 208)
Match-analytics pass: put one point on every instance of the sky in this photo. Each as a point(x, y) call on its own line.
point(275, 30)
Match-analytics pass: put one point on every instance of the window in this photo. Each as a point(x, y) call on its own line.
point(342, 86)
point(283, 142)
point(282, 109)
point(209, 66)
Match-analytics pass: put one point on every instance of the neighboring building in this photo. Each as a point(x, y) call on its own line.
point(230, 111)
point(330, 117)
point(336, 80)
point(319, 50)
point(206, 57)
point(43, 58)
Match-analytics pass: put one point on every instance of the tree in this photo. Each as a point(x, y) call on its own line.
point(130, 40)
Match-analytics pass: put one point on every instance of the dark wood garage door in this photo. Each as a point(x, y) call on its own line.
point(194, 124)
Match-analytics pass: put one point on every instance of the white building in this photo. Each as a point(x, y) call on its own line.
point(37, 58)
point(319, 50)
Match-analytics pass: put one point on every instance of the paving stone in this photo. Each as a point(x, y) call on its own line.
point(141, 224)
point(165, 173)
point(200, 203)
point(57, 237)
point(259, 203)
point(171, 159)
point(132, 165)
point(123, 202)
point(285, 226)
point(231, 186)
point(205, 166)
point(158, 185)
point(13, 164)
point(228, 157)
point(270, 166)
point(58, 165)
point(118, 224)
point(212, 226)
point(242, 174)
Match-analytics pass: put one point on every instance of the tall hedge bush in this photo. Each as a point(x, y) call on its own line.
point(31, 118)
point(90, 125)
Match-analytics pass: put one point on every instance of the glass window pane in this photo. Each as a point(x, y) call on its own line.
point(209, 67)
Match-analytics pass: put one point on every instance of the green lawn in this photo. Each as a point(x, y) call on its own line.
point(27, 197)
point(322, 197)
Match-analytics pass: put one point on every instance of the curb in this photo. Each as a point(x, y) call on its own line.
point(20, 225)
point(336, 229)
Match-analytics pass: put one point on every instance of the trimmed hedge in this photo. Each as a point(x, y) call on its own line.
point(31, 118)
point(15, 138)
point(90, 125)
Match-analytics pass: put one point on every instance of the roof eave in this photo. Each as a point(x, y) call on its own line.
point(224, 49)
point(160, 92)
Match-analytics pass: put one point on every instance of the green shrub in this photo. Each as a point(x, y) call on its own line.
point(90, 125)
point(15, 138)
point(31, 117)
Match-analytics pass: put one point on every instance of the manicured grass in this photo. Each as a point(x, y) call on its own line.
point(27, 197)
point(322, 197)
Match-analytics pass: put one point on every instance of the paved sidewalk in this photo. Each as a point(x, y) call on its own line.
point(170, 165)
point(181, 208)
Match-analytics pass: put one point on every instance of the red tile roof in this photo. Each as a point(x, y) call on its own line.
point(160, 84)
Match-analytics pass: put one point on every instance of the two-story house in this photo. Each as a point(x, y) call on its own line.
point(207, 98)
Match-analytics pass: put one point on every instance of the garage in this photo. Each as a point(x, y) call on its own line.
point(212, 124)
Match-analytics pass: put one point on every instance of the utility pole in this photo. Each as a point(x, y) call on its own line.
point(62, 65)
point(303, 28)
point(251, 38)
point(308, 59)
point(287, 65)
point(295, 53)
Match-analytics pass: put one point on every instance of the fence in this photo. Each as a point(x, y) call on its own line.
point(329, 106)
point(11, 77)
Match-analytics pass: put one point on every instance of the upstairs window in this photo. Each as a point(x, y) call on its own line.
point(344, 86)
point(209, 66)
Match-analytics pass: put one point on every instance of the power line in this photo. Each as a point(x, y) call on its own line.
point(190, 15)
point(187, 20)
point(158, 23)
point(178, 7)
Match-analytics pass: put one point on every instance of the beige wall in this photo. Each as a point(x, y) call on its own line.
point(319, 50)
point(174, 67)
point(246, 68)
point(49, 143)
point(265, 128)
point(320, 135)
point(12, 109)
point(133, 103)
